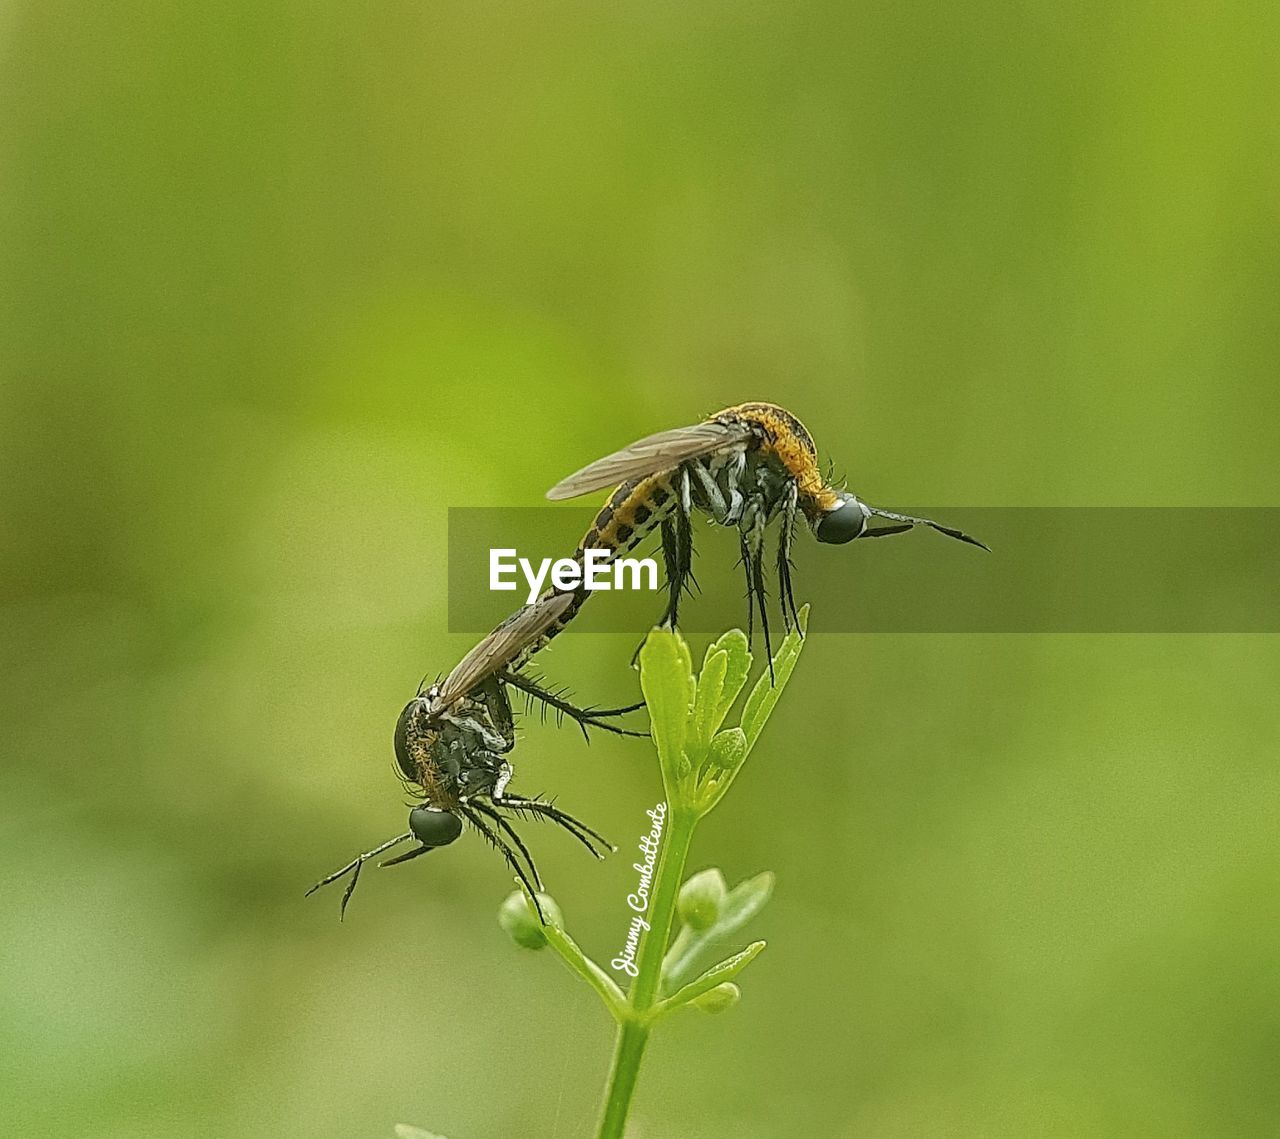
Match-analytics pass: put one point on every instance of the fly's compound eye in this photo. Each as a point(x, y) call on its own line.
point(434, 827)
point(401, 741)
point(846, 522)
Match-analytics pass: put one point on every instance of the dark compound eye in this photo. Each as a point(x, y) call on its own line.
point(401, 742)
point(433, 827)
point(846, 522)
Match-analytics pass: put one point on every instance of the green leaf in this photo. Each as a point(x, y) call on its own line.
point(764, 696)
point(666, 678)
point(734, 643)
point(724, 672)
point(702, 722)
point(716, 975)
point(743, 902)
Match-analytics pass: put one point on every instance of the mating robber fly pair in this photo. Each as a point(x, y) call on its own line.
point(745, 468)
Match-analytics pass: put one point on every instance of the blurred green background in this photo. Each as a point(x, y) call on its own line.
point(282, 282)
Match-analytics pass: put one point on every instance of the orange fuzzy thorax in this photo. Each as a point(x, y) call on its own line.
point(786, 439)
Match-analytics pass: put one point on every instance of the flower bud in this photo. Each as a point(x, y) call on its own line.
point(724, 996)
point(520, 920)
point(701, 899)
point(728, 749)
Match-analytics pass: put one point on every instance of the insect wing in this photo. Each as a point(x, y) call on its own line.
point(501, 646)
point(649, 455)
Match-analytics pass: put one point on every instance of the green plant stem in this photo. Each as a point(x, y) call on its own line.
point(633, 1032)
point(633, 1035)
point(668, 875)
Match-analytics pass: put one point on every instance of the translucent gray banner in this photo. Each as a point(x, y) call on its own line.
point(1050, 570)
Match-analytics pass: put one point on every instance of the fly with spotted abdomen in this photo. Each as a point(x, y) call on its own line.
point(452, 745)
point(744, 467)
point(630, 514)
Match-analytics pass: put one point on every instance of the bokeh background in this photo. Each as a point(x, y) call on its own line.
point(284, 281)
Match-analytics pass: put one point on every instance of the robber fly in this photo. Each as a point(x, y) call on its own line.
point(742, 467)
point(452, 743)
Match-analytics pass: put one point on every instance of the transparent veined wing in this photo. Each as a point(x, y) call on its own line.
point(501, 646)
point(651, 454)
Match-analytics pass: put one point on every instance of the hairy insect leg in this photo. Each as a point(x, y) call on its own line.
point(757, 573)
point(583, 717)
point(786, 533)
point(751, 533)
point(576, 827)
point(495, 840)
point(737, 501)
point(509, 831)
point(710, 493)
point(505, 773)
point(595, 712)
point(677, 558)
